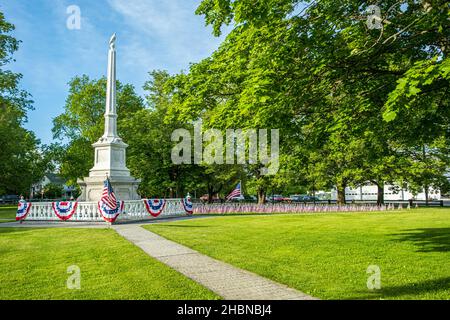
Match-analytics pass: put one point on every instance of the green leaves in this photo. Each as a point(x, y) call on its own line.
point(327, 81)
point(425, 80)
point(21, 162)
point(389, 115)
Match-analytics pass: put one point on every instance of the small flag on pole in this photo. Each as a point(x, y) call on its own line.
point(108, 205)
point(236, 192)
point(108, 195)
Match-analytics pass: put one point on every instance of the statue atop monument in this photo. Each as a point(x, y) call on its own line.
point(112, 42)
point(110, 150)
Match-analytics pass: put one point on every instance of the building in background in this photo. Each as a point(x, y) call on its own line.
point(51, 178)
point(391, 193)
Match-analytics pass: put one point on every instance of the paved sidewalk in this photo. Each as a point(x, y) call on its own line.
point(229, 282)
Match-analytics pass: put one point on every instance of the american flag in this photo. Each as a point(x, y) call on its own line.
point(108, 195)
point(236, 192)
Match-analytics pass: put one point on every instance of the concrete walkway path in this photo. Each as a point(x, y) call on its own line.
point(229, 282)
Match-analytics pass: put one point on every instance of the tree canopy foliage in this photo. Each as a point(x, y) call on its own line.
point(21, 160)
point(353, 103)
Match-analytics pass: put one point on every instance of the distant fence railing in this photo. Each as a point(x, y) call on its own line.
point(88, 211)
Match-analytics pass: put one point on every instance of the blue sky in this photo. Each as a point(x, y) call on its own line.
point(151, 34)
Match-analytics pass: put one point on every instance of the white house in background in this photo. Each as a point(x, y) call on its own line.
point(391, 192)
point(48, 178)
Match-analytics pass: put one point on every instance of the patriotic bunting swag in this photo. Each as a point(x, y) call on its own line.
point(110, 214)
point(108, 205)
point(187, 205)
point(65, 209)
point(22, 210)
point(154, 206)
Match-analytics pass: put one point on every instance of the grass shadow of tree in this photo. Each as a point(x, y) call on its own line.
point(427, 239)
point(412, 289)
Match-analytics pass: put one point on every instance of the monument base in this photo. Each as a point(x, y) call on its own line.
point(125, 188)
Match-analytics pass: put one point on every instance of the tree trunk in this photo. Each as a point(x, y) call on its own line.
point(340, 194)
point(380, 193)
point(425, 187)
point(261, 196)
point(210, 194)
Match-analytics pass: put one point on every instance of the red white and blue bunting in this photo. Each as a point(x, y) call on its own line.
point(187, 205)
point(154, 206)
point(64, 210)
point(22, 210)
point(109, 214)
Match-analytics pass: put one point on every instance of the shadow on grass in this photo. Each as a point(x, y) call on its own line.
point(427, 239)
point(414, 289)
point(180, 225)
point(4, 230)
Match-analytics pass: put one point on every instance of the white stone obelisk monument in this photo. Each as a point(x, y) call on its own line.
point(110, 150)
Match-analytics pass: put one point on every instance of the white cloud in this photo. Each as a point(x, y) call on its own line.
point(154, 17)
point(168, 31)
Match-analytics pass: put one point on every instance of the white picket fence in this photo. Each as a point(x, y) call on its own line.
point(134, 210)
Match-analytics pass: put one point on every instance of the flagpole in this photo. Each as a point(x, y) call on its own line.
point(242, 192)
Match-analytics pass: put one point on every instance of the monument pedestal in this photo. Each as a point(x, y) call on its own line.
point(110, 161)
point(125, 188)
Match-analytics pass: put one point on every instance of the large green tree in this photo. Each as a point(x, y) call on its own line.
point(356, 96)
point(21, 161)
point(149, 154)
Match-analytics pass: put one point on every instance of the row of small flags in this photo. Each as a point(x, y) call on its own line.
point(287, 208)
point(109, 207)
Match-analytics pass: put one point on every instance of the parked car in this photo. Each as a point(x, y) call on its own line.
point(10, 198)
point(298, 197)
point(275, 198)
point(215, 198)
point(303, 198)
point(310, 199)
point(245, 198)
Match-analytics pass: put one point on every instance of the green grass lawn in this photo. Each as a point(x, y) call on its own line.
point(327, 255)
point(8, 213)
point(34, 262)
